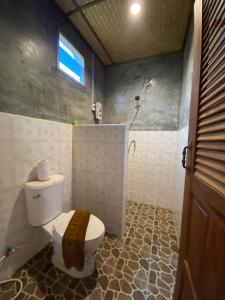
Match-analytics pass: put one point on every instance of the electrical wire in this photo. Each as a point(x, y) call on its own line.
point(14, 280)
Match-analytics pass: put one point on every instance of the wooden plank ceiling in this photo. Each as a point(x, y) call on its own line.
point(117, 36)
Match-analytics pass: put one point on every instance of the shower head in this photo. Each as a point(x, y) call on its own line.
point(137, 98)
point(137, 107)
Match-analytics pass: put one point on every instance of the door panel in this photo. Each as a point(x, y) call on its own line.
point(219, 263)
point(198, 231)
point(187, 291)
point(201, 267)
point(214, 269)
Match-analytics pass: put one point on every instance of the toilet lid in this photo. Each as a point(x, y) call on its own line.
point(95, 228)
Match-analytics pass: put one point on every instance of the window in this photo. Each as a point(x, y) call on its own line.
point(70, 61)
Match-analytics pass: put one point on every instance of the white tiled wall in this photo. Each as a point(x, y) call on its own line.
point(152, 167)
point(155, 175)
point(24, 141)
point(100, 172)
point(99, 166)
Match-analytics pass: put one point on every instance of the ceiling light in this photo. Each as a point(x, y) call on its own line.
point(135, 8)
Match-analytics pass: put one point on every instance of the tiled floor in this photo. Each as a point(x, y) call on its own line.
point(141, 265)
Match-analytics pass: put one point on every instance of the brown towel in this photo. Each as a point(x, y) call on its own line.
point(74, 238)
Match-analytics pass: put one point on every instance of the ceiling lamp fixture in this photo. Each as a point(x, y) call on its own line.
point(135, 8)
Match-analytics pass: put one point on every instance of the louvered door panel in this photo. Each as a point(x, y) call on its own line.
point(210, 155)
point(201, 268)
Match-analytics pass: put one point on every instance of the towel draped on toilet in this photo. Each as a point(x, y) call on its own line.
point(74, 239)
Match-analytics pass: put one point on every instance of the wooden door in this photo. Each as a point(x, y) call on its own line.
point(201, 268)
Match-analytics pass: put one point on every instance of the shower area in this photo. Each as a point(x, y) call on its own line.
point(152, 96)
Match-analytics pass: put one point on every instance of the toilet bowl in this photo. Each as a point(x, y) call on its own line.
point(44, 208)
point(93, 238)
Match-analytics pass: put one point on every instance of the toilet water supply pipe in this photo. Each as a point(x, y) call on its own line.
point(93, 82)
point(8, 252)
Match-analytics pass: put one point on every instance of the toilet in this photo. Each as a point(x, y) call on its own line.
point(44, 208)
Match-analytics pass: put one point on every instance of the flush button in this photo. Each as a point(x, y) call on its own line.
point(36, 196)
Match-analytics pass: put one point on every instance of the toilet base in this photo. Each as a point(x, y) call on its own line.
point(89, 266)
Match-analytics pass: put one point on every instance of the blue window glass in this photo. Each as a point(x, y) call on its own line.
point(70, 61)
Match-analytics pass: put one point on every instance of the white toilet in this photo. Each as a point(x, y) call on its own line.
point(44, 206)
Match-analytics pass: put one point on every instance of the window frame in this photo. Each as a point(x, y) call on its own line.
point(61, 72)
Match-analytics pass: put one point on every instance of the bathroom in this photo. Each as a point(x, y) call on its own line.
point(109, 136)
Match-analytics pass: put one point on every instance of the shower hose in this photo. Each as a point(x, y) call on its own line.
point(16, 280)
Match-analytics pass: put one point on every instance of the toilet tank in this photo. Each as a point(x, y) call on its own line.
point(44, 200)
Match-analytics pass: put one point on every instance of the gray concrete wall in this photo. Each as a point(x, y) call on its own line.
point(30, 84)
point(187, 79)
point(160, 103)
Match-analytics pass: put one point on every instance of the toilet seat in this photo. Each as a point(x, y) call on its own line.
point(56, 228)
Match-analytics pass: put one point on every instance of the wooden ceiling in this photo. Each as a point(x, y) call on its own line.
point(117, 36)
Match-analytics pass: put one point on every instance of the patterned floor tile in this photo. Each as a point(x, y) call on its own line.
point(132, 205)
point(162, 273)
point(157, 293)
point(139, 235)
point(8, 290)
point(127, 227)
point(164, 214)
point(133, 264)
point(130, 217)
point(140, 265)
point(167, 252)
point(107, 255)
point(124, 286)
point(164, 227)
point(97, 293)
point(140, 247)
point(144, 219)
